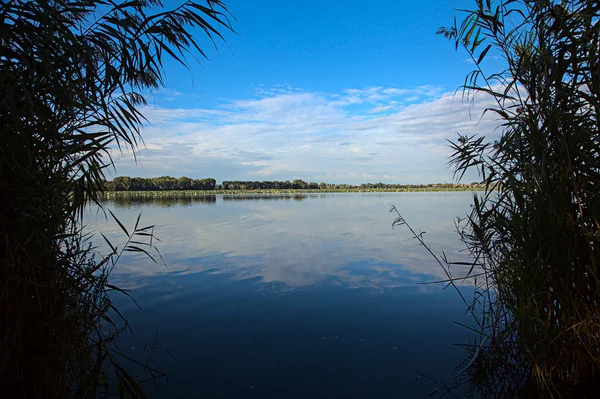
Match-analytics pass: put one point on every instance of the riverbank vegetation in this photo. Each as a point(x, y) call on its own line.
point(155, 185)
point(536, 242)
point(72, 77)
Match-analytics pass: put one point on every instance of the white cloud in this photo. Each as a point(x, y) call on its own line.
point(375, 94)
point(359, 135)
point(277, 90)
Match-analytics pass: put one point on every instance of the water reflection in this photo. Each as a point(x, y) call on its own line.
point(292, 296)
point(232, 340)
point(161, 201)
point(298, 240)
point(270, 197)
point(188, 200)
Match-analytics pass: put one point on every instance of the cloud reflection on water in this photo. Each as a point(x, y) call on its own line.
point(297, 240)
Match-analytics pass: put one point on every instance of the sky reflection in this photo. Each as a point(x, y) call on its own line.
point(296, 240)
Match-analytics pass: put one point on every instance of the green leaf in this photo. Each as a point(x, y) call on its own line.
point(483, 53)
point(119, 223)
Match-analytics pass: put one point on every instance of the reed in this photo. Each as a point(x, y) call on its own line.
point(72, 74)
point(535, 243)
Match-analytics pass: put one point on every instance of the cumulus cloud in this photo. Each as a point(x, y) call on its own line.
point(373, 134)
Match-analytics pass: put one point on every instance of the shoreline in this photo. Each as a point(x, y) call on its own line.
point(204, 193)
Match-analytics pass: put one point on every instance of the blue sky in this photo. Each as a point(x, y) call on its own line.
point(323, 90)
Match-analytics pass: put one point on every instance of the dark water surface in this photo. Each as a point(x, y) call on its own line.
point(293, 296)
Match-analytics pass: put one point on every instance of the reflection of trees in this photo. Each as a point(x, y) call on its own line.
point(126, 201)
point(259, 197)
point(163, 201)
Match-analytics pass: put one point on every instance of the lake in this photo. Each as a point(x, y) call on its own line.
point(292, 296)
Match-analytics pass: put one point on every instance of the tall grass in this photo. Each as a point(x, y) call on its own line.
point(72, 75)
point(535, 243)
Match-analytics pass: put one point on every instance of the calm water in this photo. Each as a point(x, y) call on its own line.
point(306, 296)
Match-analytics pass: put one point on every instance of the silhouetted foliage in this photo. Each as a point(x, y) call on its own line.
point(72, 77)
point(536, 242)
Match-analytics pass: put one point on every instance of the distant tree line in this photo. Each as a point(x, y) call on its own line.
point(302, 185)
point(163, 183)
point(166, 183)
point(270, 185)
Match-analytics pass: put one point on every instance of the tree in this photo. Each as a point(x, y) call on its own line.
point(299, 184)
point(184, 183)
point(536, 241)
point(122, 183)
point(165, 183)
point(208, 184)
point(141, 184)
point(72, 77)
